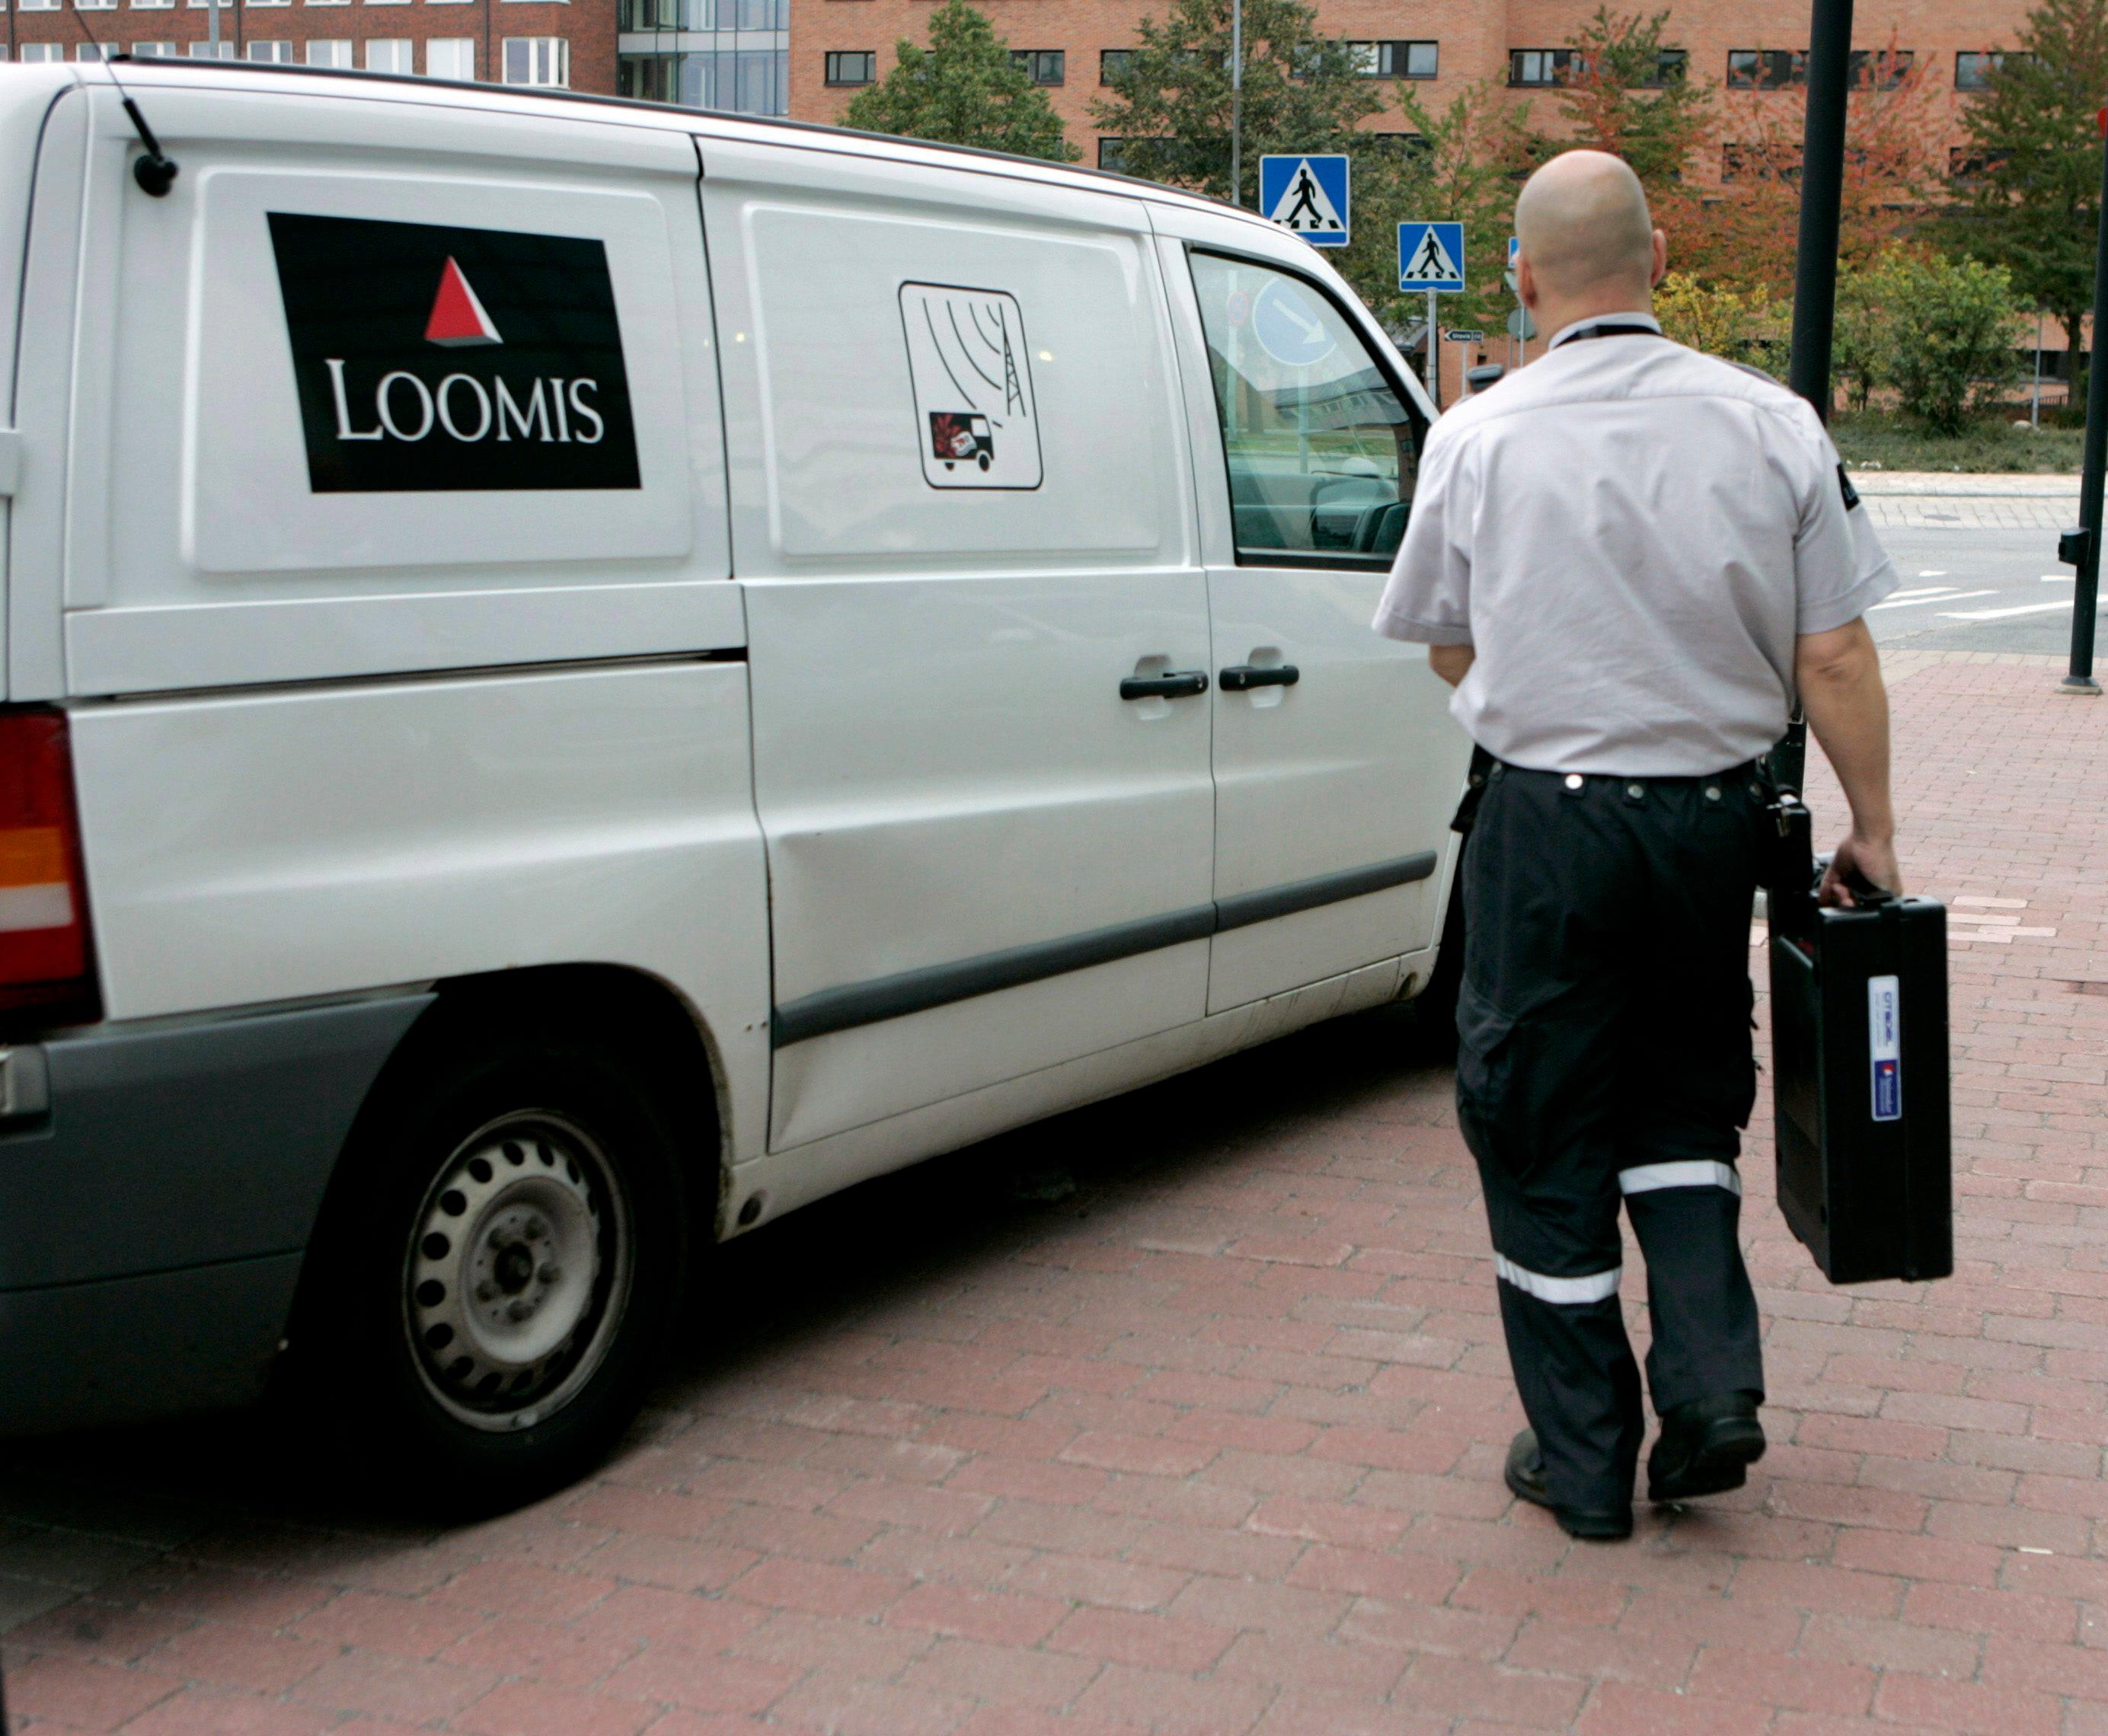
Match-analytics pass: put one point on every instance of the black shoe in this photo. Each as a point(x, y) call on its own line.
point(1705, 1447)
point(1525, 1477)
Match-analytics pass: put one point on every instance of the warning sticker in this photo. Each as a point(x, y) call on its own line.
point(977, 422)
point(1884, 1046)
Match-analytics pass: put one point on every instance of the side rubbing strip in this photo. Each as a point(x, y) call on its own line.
point(1246, 908)
point(1697, 1173)
point(1597, 1286)
point(938, 985)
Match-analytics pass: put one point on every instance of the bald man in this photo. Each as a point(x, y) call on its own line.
point(1628, 559)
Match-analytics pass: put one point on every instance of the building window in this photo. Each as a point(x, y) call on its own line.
point(151, 6)
point(1671, 66)
point(152, 51)
point(852, 66)
point(1408, 144)
point(1974, 72)
point(537, 60)
point(390, 54)
point(1112, 62)
point(35, 6)
point(224, 51)
point(1043, 66)
point(1766, 68)
point(271, 53)
point(88, 51)
point(94, 6)
point(329, 51)
point(35, 53)
point(247, 2)
point(1969, 165)
point(1532, 68)
point(1395, 59)
point(450, 57)
point(1769, 161)
point(740, 81)
point(1878, 69)
point(1109, 151)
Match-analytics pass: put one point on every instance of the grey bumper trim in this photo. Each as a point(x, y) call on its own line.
point(844, 1008)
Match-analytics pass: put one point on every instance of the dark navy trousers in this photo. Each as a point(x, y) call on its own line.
point(1604, 1057)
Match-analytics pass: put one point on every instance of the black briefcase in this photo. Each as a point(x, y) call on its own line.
point(1859, 1072)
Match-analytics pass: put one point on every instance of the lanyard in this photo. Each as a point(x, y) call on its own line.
point(1608, 331)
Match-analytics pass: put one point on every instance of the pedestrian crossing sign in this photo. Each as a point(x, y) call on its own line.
point(1430, 256)
point(1306, 195)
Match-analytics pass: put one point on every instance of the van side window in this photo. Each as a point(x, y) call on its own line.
point(1321, 453)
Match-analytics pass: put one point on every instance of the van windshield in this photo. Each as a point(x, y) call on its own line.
point(1321, 454)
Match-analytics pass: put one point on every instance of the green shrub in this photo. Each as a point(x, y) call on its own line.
point(1942, 332)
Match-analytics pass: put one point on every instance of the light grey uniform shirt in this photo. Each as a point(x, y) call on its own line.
point(1631, 535)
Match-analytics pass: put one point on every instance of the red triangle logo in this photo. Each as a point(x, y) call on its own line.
point(458, 318)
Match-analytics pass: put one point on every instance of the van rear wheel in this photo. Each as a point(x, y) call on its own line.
point(492, 1283)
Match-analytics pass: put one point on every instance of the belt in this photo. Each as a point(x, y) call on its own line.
point(1486, 769)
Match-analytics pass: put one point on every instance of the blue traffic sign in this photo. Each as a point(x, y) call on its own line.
point(1430, 256)
point(1306, 195)
point(1290, 326)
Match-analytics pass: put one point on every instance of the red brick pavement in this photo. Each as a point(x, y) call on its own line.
point(1212, 1444)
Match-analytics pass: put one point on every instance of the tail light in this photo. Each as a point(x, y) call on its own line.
point(45, 960)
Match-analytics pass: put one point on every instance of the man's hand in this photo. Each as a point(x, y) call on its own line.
point(1873, 859)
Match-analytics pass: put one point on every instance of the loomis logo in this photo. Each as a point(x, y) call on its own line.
point(458, 317)
point(429, 358)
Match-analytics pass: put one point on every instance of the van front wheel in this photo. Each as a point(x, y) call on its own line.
point(489, 1296)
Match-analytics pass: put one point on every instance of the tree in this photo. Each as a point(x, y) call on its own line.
point(1170, 102)
point(2036, 201)
point(964, 88)
point(1741, 326)
point(1744, 230)
point(1948, 326)
point(1620, 96)
point(1463, 164)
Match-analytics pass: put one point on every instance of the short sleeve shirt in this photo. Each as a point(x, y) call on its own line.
point(1631, 535)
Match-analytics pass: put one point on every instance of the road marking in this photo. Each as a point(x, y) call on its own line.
point(1938, 597)
point(2002, 614)
point(2060, 578)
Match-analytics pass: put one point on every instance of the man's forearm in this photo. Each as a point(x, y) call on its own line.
point(1840, 678)
point(1452, 663)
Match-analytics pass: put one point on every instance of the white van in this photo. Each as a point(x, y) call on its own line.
point(581, 675)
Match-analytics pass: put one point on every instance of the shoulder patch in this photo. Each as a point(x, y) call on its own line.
point(1845, 488)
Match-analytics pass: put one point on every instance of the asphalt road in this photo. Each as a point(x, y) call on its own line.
point(1966, 589)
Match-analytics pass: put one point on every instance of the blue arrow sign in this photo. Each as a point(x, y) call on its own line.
point(1306, 195)
point(1290, 326)
point(1430, 256)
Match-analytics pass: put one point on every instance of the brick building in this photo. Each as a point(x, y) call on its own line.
point(1438, 46)
point(514, 42)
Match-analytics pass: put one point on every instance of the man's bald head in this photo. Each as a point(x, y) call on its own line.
point(1582, 224)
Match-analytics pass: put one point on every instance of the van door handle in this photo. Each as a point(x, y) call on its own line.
point(1242, 677)
point(1173, 684)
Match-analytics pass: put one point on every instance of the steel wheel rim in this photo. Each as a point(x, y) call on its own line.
point(518, 1271)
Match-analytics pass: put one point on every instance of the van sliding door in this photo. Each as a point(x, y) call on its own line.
point(963, 520)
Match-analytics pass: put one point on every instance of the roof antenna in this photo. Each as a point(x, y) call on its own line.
point(156, 172)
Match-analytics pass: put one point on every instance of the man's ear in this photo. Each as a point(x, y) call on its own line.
point(1525, 281)
point(1660, 260)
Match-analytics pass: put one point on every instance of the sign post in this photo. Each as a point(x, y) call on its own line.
point(1307, 196)
point(1520, 322)
point(1431, 257)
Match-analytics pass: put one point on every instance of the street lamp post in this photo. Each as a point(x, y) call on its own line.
point(1815, 261)
point(1236, 102)
point(2082, 548)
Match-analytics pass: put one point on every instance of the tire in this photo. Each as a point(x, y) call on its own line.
point(496, 1270)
